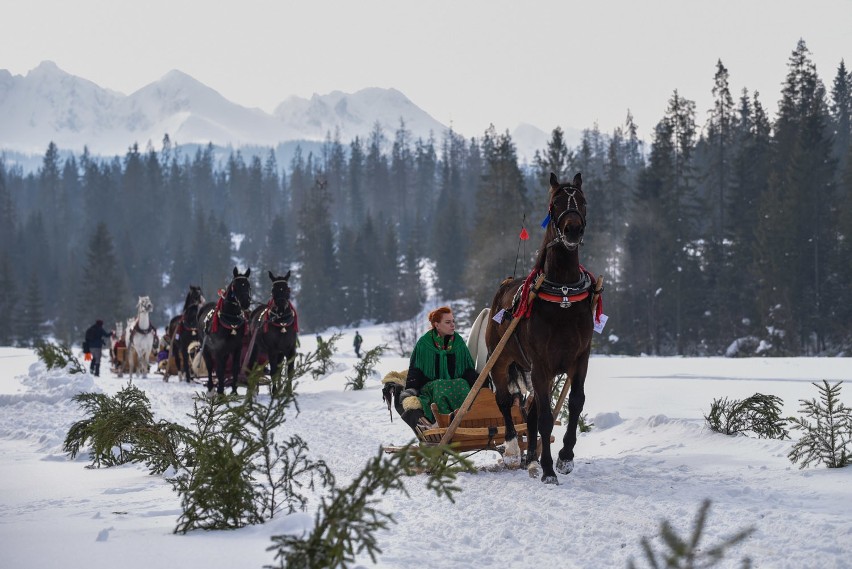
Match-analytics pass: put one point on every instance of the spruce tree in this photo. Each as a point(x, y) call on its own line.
point(103, 293)
point(32, 329)
point(8, 302)
point(318, 275)
point(500, 208)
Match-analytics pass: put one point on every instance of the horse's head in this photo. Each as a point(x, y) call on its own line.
point(144, 304)
point(280, 290)
point(567, 212)
point(239, 291)
point(193, 297)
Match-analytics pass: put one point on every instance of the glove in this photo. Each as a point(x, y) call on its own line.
point(390, 390)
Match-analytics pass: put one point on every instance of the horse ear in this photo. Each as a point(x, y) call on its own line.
point(236, 272)
point(554, 183)
point(271, 276)
point(578, 181)
point(287, 276)
point(248, 272)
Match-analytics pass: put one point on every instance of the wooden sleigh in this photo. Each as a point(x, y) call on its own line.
point(481, 428)
point(478, 423)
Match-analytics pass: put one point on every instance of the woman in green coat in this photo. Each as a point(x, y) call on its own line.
point(441, 371)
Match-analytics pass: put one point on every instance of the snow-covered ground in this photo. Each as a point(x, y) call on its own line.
point(654, 460)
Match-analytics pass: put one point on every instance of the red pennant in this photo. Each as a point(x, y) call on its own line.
point(524, 235)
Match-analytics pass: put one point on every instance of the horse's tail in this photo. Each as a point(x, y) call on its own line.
point(476, 340)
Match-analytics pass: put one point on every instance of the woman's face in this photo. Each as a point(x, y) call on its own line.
point(446, 325)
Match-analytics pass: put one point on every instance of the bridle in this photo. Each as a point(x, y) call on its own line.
point(283, 296)
point(231, 296)
point(573, 207)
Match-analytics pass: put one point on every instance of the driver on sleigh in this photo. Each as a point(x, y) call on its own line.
point(441, 371)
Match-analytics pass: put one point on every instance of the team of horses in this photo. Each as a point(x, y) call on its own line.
point(209, 337)
point(553, 336)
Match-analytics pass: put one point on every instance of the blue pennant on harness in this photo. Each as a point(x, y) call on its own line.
point(546, 221)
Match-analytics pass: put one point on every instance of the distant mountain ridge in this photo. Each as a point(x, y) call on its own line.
point(49, 104)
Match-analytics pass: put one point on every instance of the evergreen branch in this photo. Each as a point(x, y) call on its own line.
point(347, 521)
point(687, 553)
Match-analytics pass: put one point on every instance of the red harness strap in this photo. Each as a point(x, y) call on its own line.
point(524, 309)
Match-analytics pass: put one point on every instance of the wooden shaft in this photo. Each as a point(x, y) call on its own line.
point(243, 370)
point(565, 387)
point(474, 390)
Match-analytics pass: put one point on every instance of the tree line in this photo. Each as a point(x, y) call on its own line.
point(733, 237)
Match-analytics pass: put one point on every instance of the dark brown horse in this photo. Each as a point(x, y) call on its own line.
point(223, 325)
point(276, 328)
point(183, 330)
point(554, 335)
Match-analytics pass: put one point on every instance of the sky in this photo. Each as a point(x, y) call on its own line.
point(469, 64)
point(648, 458)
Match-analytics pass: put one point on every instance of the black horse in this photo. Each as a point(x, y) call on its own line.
point(275, 326)
point(183, 330)
point(223, 325)
point(554, 335)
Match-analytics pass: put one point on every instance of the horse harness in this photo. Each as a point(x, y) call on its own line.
point(574, 207)
point(136, 329)
point(271, 316)
point(565, 295)
point(229, 321)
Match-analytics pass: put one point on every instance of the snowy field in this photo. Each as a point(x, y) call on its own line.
point(655, 460)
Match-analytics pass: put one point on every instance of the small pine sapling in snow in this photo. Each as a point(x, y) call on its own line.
point(759, 414)
point(58, 357)
point(687, 553)
point(349, 518)
point(364, 368)
point(112, 425)
point(829, 438)
point(325, 350)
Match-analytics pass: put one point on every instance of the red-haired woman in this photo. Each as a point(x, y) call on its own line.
point(441, 371)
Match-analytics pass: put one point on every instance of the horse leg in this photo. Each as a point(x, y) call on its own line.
point(499, 374)
point(236, 365)
point(576, 400)
point(186, 363)
point(209, 364)
point(533, 465)
point(545, 425)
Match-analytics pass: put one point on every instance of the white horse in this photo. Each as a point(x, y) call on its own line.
point(139, 337)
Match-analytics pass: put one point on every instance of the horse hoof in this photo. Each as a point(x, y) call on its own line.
point(512, 454)
point(534, 469)
point(564, 466)
point(551, 479)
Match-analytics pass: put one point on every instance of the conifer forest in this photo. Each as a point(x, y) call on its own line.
point(727, 231)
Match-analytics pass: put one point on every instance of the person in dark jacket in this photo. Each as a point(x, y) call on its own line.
point(95, 335)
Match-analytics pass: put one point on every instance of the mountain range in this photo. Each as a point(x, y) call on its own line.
point(48, 104)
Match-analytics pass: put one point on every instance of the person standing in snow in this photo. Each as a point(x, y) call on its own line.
point(357, 343)
point(95, 335)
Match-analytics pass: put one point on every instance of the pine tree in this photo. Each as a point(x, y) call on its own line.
point(7, 302)
point(103, 293)
point(750, 178)
point(718, 173)
point(797, 223)
point(556, 158)
point(318, 275)
point(32, 329)
point(448, 248)
point(841, 115)
point(501, 206)
point(402, 181)
point(8, 215)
